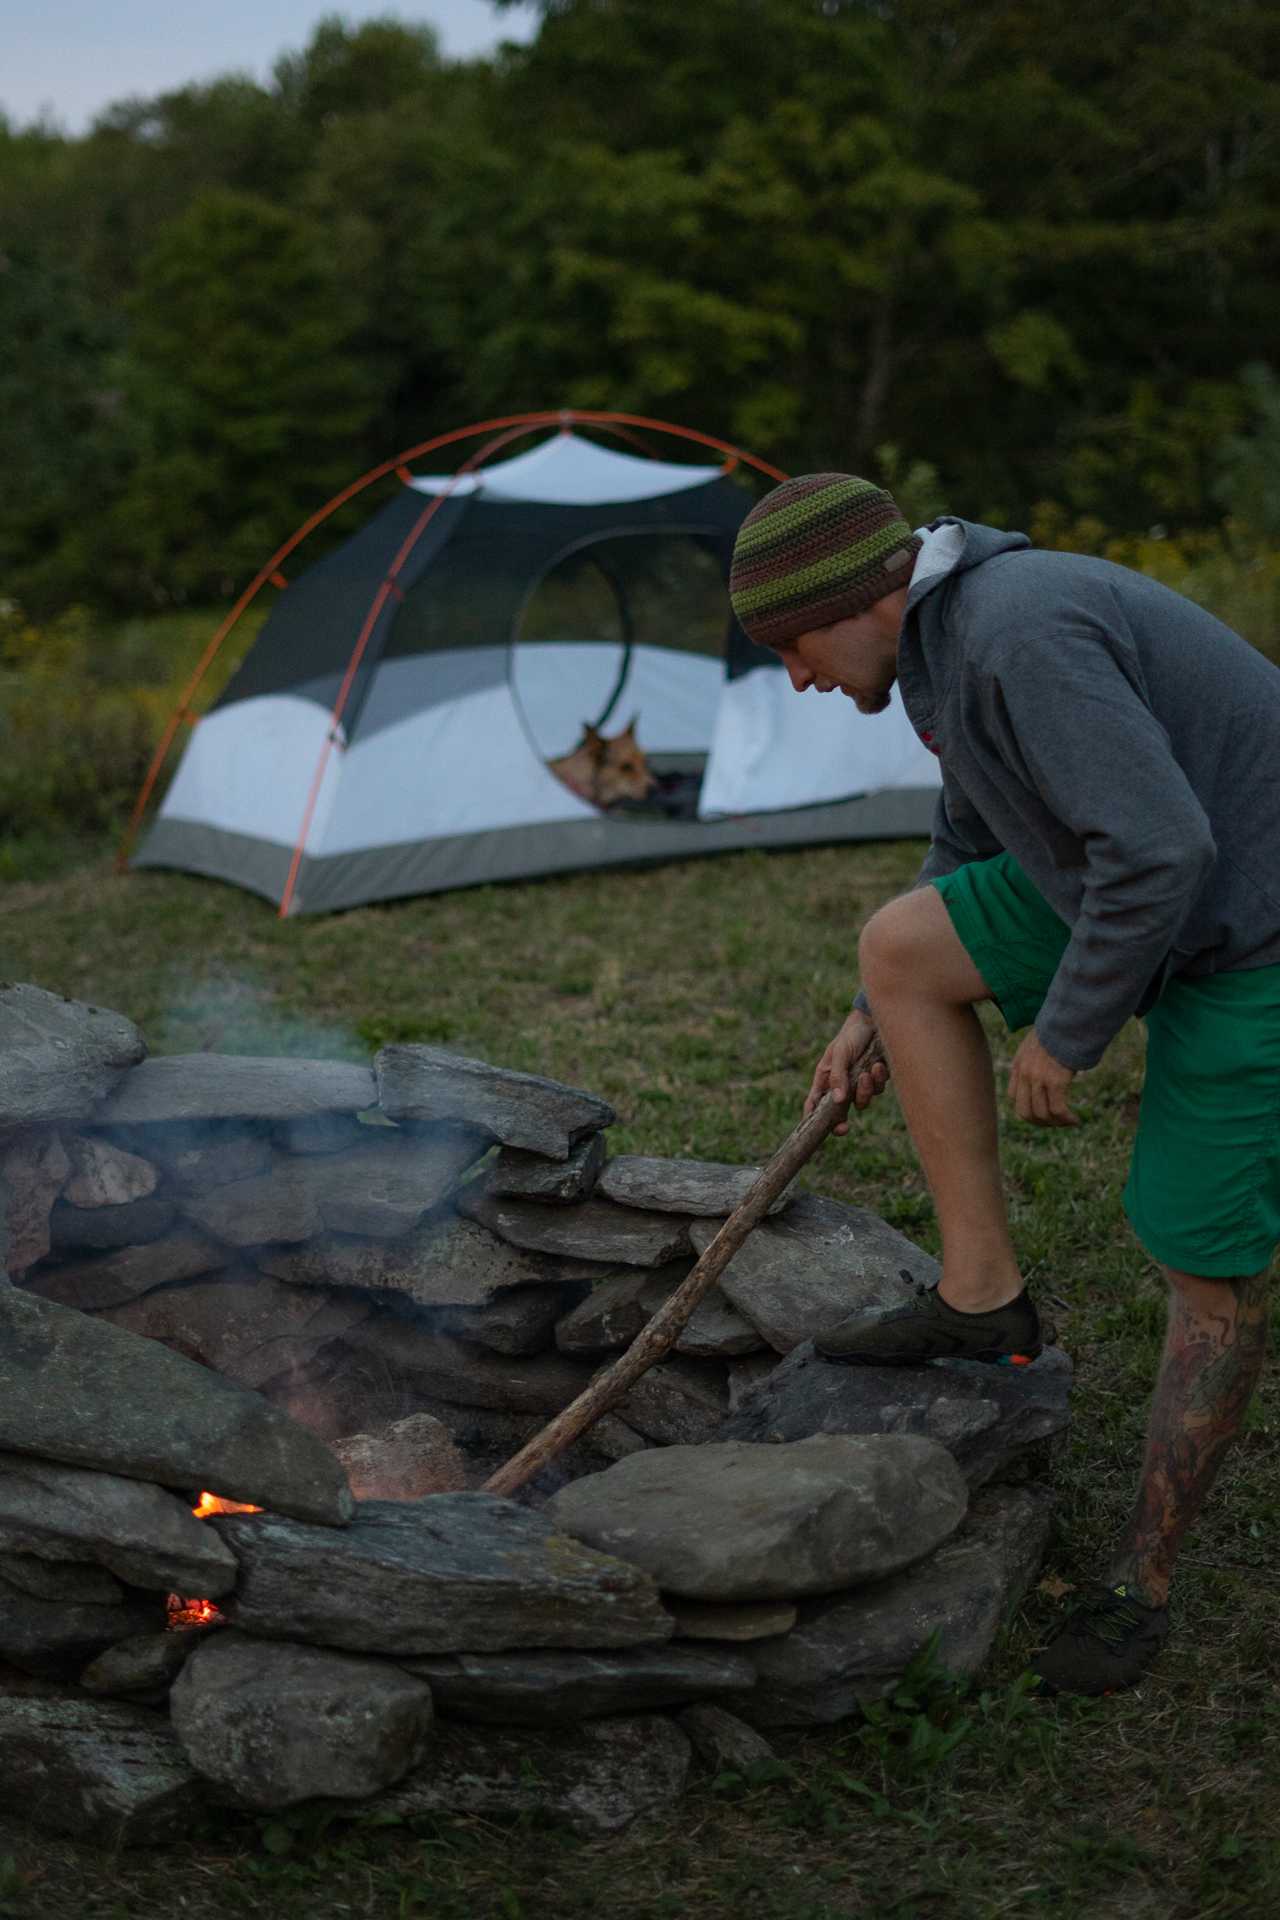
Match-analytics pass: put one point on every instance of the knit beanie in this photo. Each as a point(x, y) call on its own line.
point(820, 548)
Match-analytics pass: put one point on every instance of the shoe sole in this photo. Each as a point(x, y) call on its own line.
point(989, 1357)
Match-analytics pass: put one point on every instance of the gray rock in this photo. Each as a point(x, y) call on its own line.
point(696, 1620)
point(736, 1522)
point(33, 1167)
point(457, 1572)
point(387, 1187)
point(986, 1416)
point(618, 1308)
point(468, 1376)
point(520, 1320)
point(722, 1742)
point(148, 1664)
point(60, 1580)
point(593, 1230)
point(530, 1176)
point(214, 1086)
point(821, 1261)
point(113, 1278)
point(706, 1187)
point(598, 1778)
point(746, 1374)
point(548, 1689)
point(98, 1769)
point(323, 1133)
point(614, 1439)
point(852, 1648)
point(103, 1175)
point(677, 1403)
point(76, 1390)
point(447, 1262)
point(54, 1637)
point(128, 1223)
point(195, 1156)
point(142, 1534)
point(246, 1326)
point(282, 1204)
point(519, 1109)
point(58, 1058)
point(272, 1724)
point(406, 1461)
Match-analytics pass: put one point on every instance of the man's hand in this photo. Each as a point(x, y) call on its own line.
point(832, 1072)
point(1038, 1086)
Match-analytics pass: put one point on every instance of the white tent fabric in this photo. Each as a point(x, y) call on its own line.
point(772, 747)
point(567, 471)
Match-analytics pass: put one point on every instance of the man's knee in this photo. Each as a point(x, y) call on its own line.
point(911, 945)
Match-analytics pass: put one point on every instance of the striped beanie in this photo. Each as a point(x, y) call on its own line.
point(820, 548)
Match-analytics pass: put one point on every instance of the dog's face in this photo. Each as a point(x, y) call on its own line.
point(622, 772)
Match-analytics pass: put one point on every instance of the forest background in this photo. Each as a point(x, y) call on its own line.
point(1018, 265)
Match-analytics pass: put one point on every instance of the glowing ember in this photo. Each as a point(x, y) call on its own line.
point(185, 1612)
point(191, 1613)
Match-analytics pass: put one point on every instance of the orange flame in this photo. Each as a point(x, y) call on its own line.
point(213, 1503)
point(184, 1612)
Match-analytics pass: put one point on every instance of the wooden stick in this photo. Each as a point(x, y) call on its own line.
point(669, 1322)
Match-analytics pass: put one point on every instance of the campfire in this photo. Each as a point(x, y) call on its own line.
point(183, 1610)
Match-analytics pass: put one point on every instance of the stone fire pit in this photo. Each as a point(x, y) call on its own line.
point(340, 1296)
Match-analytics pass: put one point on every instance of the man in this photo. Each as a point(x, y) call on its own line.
point(1106, 842)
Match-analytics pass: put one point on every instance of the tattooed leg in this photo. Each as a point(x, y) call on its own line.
point(1212, 1356)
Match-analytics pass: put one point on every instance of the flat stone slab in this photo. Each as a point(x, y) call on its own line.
point(245, 1325)
point(99, 1769)
point(598, 1778)
point(76, 1390)
point(705, 1187)
point(851, 1649)
point(59, 1058)
point(468, 1376)
point(529, 1176)
point(146, 1664)
point(519, 1109)
point(819, 1262)
point(386, 1187)
point(703, 1620)
point(677, 1403)
point(145, 1536)
point(60, 1579)
point(33, 1167)
point(520, 1320)
point(54, 1638)
point(270, 1725)
point(197, 1155)
point(618, 1308)
point(447, 1262)
point(219, 1086)
point(593, 1230)
point(130, 1223)
point(460, 1572)
point(985, 1416)
point(114, 1278)
point(544, 1688)
point(733, 1522)
point(105, 1176)
point(407, 1460)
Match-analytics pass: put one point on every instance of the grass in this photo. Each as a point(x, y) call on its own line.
point(696, 998)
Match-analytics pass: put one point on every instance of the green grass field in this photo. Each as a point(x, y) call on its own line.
point(696, 998)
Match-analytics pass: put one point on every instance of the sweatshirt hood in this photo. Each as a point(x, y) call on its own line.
point(949, 547)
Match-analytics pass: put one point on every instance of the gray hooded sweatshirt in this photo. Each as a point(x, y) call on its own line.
point(1122, 745)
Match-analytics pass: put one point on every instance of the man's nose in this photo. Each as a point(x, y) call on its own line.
point(800, 677)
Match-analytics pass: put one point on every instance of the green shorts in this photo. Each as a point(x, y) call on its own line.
point(1203, 1193)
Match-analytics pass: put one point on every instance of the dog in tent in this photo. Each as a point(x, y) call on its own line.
point(605, 769)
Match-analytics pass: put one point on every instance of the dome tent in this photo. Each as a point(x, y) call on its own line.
point(388, 732)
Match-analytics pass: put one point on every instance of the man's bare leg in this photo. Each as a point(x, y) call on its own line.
point(922, 986)
point(1212, 1356)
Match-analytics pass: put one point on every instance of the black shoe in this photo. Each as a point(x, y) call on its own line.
point(928, 1329)
point(1107, 1642)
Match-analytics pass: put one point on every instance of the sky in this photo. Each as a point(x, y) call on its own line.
point(68, 59)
